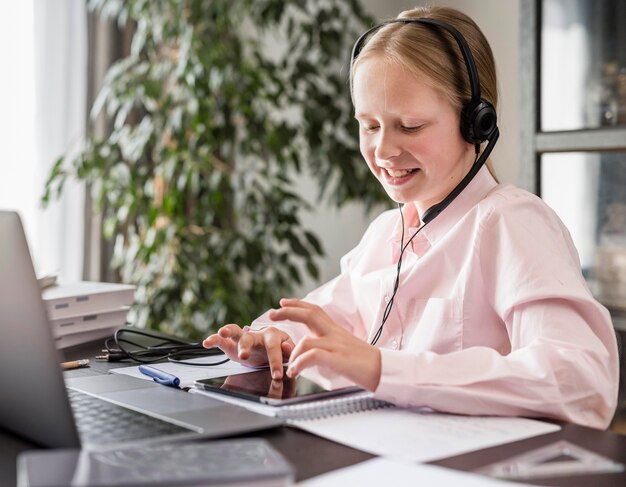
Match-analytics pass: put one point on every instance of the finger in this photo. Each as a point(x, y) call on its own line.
point(273, 346)
point(230, 331)
point(276, 389)
point(310, 358)
point(306, 344)
point(247, 340)
point(211, 341)
point(298, 303)
point(226, 345)
point(287, 348)
point(308, 317)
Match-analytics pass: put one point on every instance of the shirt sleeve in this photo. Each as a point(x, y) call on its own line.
point(338, 296)
point(563, 360)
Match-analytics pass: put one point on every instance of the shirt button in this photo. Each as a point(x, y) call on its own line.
point(394, 345)
point(386, 299)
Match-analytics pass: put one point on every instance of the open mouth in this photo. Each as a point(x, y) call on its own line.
point(397, 177)
point(399, 173)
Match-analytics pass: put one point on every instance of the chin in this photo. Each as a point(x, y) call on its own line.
point(399, 196)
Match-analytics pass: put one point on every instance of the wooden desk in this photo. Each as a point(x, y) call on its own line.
point(311, 455)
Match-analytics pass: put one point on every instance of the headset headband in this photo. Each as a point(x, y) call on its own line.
point(458, 37)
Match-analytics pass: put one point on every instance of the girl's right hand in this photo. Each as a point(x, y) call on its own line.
point(268, 346)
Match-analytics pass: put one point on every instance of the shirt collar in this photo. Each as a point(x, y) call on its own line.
point(475, 191)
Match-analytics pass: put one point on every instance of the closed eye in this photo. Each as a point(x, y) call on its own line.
point(411, 130)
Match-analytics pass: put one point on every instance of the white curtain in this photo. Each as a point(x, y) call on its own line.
point(43, 47)
point(17, 111)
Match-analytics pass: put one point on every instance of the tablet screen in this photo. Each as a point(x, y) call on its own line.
point(259, 386)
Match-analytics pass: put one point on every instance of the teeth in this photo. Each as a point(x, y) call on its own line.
point(398, 173)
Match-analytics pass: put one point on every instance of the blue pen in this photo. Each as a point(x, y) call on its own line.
point(159, 376)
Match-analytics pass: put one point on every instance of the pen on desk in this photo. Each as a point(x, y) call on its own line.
point(75, 364)
point(159, 376)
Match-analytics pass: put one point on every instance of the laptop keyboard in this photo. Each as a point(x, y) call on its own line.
point(101, 422)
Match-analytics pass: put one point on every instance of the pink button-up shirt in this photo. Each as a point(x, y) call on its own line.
point(492, 315)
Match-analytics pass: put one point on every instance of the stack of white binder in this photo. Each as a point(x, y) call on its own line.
point(86, 311)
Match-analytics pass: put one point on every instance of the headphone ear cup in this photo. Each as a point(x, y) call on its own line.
point(478, 120)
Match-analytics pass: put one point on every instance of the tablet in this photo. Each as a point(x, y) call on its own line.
point(260, 387)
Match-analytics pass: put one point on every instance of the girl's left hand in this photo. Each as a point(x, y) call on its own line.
point(329, 346)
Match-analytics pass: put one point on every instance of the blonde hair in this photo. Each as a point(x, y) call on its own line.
point(418, 48)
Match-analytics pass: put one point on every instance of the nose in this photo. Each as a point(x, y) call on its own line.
point(387, 146)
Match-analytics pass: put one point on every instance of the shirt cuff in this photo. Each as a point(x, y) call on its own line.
point(396, 372)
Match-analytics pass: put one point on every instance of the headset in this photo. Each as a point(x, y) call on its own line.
point(478, 124)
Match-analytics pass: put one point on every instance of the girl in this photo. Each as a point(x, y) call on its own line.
point(475, 306)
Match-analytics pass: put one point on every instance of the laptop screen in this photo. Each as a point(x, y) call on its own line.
point(34, 402)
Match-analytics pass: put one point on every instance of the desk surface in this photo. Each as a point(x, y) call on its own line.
point(311, 455)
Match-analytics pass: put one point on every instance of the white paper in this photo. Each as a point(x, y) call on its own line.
point(417, 436)
point(413, 435)
point(383, 471)
point(188, 374)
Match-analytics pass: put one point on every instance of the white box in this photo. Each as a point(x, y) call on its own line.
point(78, 338)
point(94, 321)
point(86, 298)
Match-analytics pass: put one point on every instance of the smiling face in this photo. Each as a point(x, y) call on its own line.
point(409, 134)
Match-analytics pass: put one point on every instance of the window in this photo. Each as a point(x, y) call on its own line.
point(42, 94)
point(574, 145)
point(17, 117)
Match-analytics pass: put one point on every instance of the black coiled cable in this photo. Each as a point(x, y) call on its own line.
point(155, 347)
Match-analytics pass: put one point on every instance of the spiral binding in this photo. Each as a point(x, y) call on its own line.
point(332, 407)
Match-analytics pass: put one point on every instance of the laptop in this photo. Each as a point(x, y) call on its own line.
point(35, 402)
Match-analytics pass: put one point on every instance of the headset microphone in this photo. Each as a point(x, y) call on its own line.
point(478, 124)
point(434, 210)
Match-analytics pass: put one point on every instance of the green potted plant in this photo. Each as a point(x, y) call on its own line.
point(210, 128)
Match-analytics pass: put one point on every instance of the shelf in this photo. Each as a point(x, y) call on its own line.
point(609, 139)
